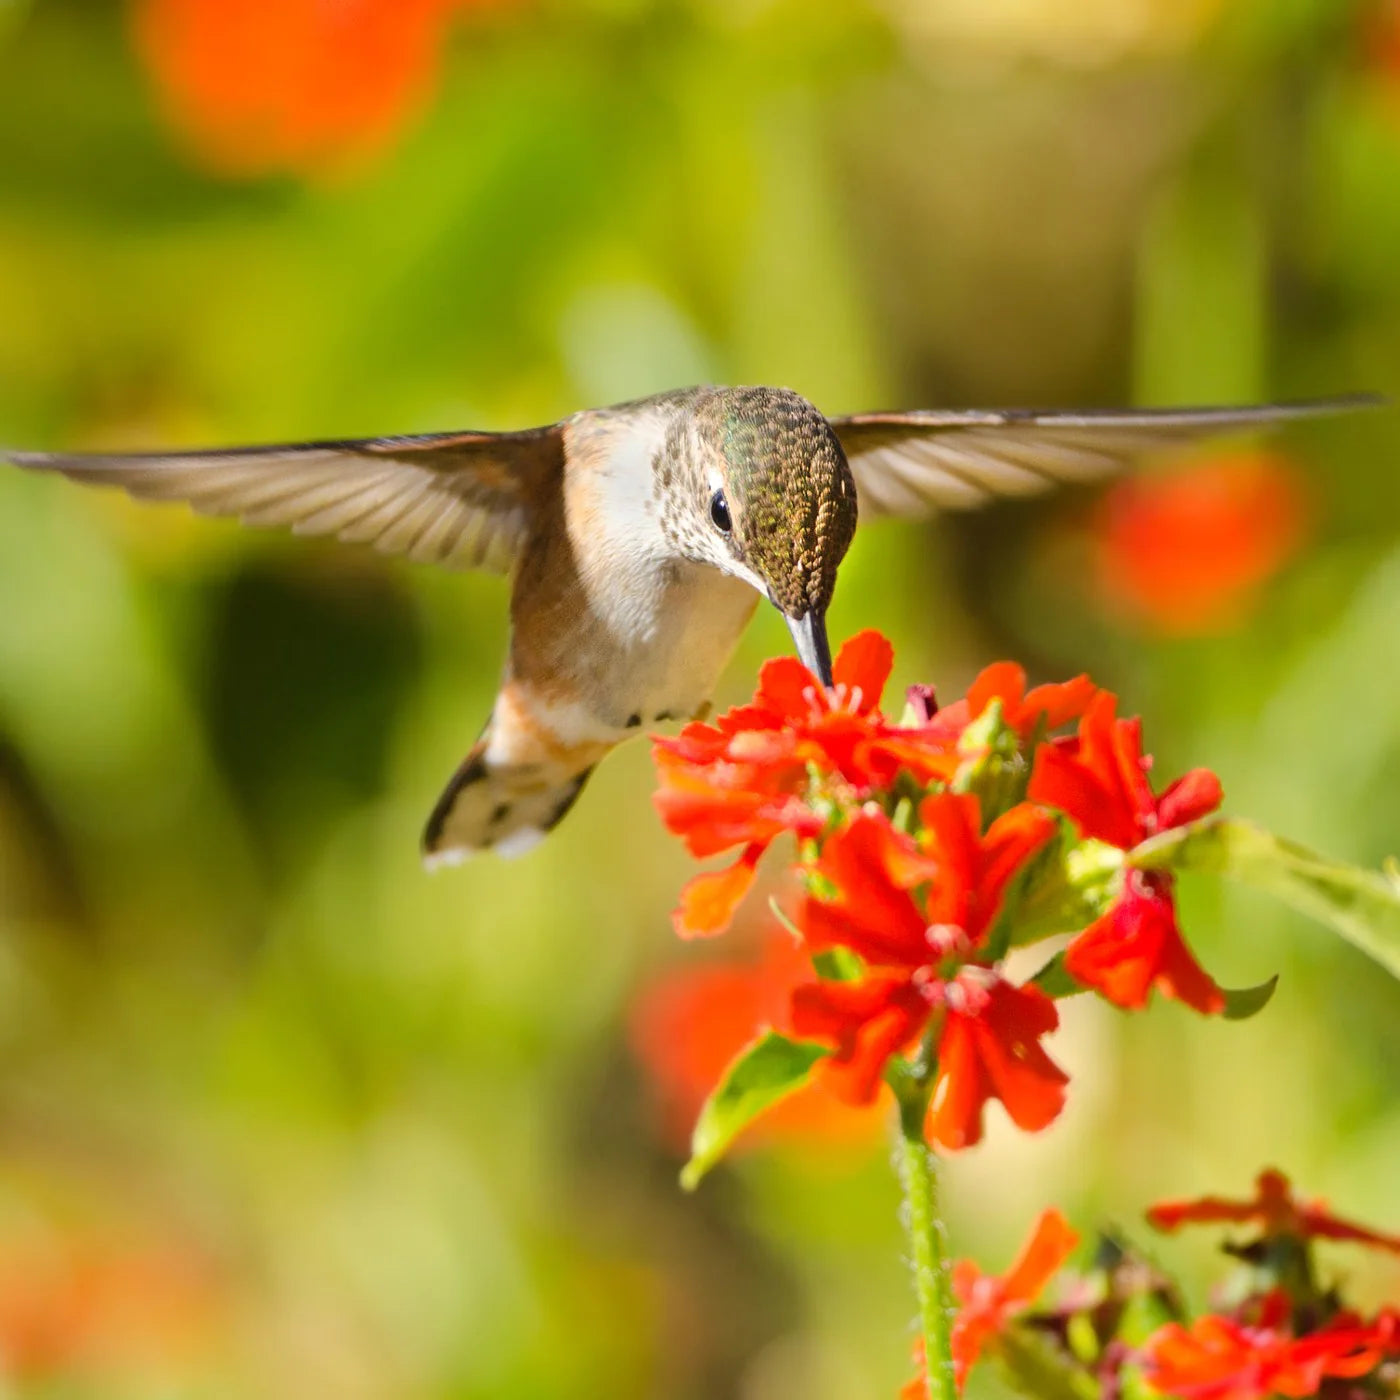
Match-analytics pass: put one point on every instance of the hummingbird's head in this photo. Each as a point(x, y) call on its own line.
point(776, 504)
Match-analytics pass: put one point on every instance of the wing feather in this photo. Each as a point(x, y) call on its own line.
point(916, 462)
point(463, 500)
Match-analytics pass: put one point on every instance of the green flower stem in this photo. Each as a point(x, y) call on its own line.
point(919, 1172)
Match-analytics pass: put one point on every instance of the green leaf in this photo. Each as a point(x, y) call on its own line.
point(767, 1070)
point(1361, 905)
point(1243, 1002)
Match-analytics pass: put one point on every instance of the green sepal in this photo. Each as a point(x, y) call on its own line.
point(1066, 887)
point(838, 965)
point(992, 766)
point(1363, 906)
point(768, 1069)
point(833, 965)
point(1054, 980)
point(1243, 1002)
point(1036, 1365)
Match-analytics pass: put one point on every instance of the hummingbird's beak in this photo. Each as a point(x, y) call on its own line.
point(809, 632)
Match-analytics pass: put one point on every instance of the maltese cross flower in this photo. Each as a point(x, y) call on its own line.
point(1099, 779)
point(915, 912)
point(750, 776)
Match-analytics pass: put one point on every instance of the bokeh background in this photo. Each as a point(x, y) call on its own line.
point(282, 1116)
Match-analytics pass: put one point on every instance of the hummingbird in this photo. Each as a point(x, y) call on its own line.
point(639, 540)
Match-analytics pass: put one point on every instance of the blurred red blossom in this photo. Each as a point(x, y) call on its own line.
point(986, 1303)
point(690, 1023)
point(298, 86)
point(1275, 1209)
point(1223, 1358)
point(1185, 552)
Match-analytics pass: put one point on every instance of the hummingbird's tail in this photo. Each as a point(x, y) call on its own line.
point(506, 808)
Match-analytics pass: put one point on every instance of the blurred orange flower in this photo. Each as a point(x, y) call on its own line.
point(691, 1022)
point(1185, 553)
point(304, 86)
point(84, 1305)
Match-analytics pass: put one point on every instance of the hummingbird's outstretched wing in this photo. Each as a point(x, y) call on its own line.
point(462, 500)
point(924, 460)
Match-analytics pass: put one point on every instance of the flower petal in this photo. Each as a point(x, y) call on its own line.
point(868, 1021)
point(870, 914)
point(1193, 795)
point(864, 664)
point(1052, 1240)
point(708, 901)
point(1002, 680)
point(787, 690)
point(1056, 704)
point(1137, 946)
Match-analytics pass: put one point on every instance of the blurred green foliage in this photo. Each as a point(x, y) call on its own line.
point(388, 1127)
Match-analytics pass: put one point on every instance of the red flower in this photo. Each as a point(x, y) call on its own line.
point(990, 1049)
point(988, 1046)
point(988, 1302)
point(1137, 946)
point(1186, 552)
point(745, 779)
point(989, 1036)
point(1099, 779)
point(1275, 1209)
point(688, 1026)
point(1219, 1358)
point(292, 85)
point(1047, 706)
point(874, 868)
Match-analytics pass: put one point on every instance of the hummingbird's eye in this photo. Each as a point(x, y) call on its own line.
point(719, 513)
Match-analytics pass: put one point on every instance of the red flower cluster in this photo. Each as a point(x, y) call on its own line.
point(748, 778)
point(921, 846)
point(1222, 1358)
point(262, 86)
point(1286, 1336)
point(1280, 1341)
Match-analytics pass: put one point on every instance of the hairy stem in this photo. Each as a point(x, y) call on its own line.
point(918, 1170)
